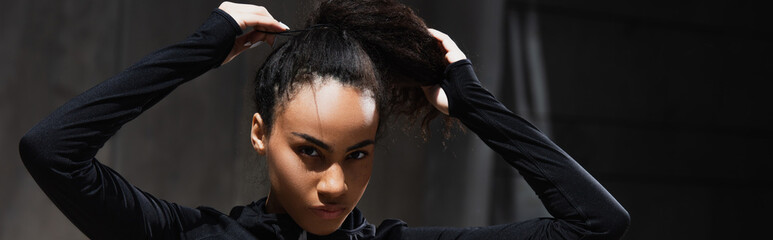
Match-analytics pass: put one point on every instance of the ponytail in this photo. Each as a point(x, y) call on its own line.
point(379, 46)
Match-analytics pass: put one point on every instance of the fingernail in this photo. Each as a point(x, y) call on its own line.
point(247, 44)
point(256, 44)
point(284, 26)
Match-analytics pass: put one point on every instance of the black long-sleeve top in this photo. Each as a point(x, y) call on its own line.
point(59, 152)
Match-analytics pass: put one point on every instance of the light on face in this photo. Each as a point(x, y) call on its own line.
point(368, 105)
point(334, 125)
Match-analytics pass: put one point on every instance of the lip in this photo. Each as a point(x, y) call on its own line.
point(328, 212)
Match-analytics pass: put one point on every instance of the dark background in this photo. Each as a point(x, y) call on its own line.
point(666, 103)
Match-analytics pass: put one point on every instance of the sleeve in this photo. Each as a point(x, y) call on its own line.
point(59, 152)
point(580, 206)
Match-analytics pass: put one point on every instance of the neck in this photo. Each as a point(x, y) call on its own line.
point(273, 205)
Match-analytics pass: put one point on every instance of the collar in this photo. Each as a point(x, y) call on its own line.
point(254, 218)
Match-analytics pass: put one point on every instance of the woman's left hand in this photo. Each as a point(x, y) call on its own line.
point(435, 94)
point(257, 17)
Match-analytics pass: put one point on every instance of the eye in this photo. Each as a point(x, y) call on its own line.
point(308, 151)
point(357, 155)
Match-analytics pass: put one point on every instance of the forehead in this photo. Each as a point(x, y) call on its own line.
point(329, 110)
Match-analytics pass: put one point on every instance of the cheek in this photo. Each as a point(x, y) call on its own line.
point(286, 172)
point(358, 174)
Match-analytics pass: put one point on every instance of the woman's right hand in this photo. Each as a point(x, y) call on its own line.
point(434, 93)
point(257, 17)
point(453, 53)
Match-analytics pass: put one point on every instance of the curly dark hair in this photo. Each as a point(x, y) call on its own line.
point(378, 46)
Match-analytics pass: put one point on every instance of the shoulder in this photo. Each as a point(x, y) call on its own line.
point(391, 229)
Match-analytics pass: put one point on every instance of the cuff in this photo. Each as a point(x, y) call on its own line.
point(230, 20)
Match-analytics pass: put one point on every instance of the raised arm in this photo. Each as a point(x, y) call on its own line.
point(581, 207)
point(59, 151)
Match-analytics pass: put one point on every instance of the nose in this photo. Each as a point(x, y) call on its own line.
point(332, 184)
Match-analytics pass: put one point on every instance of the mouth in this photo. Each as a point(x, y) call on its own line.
point(329, 212)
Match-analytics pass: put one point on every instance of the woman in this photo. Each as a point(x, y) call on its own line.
point(321, 98)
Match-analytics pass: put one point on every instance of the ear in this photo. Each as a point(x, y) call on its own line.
point(257, 134)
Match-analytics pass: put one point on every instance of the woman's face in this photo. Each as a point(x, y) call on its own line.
point(320, 154)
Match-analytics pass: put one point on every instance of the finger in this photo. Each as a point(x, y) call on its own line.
point(453, 53)
point(266, 23)
point(241, 8)
point(448, 44)
point(256, 36)
point(249, 8)
point(437, 97)
point(440, 36)
point(270, 39)
point(240, 44)
point(248, 15)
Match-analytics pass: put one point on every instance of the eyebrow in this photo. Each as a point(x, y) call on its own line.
point(360, 144)
point(324, 145)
